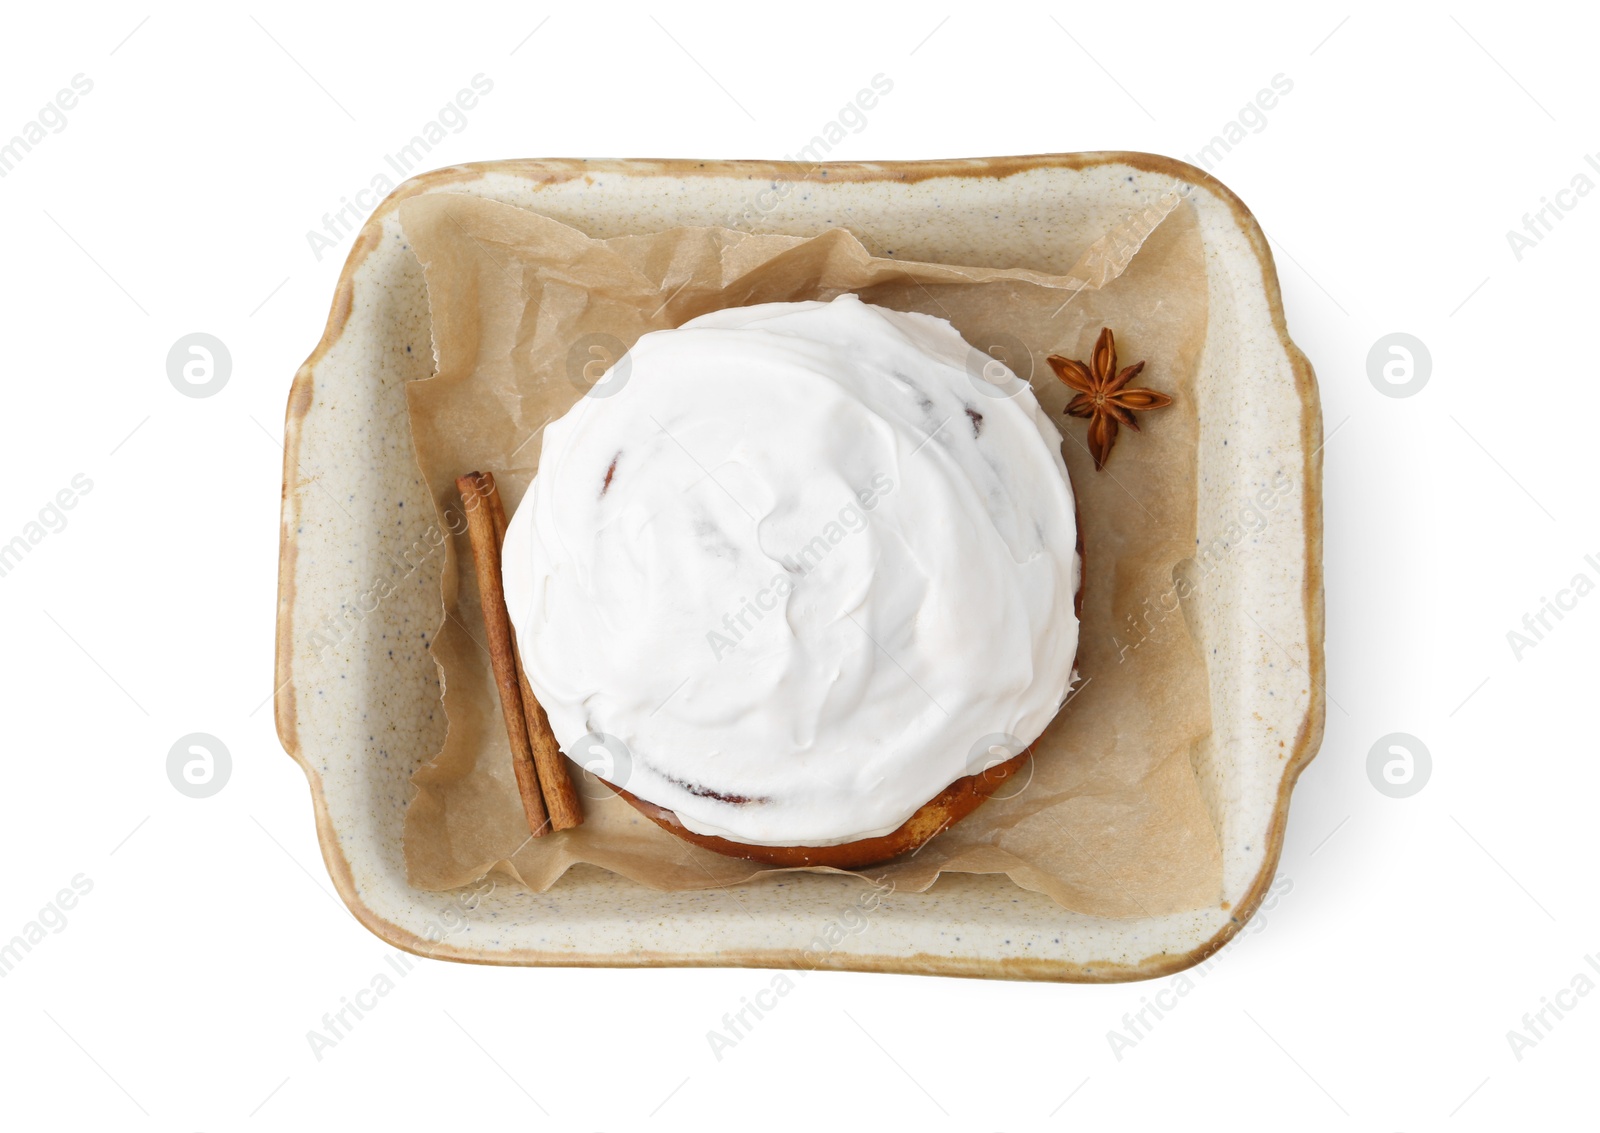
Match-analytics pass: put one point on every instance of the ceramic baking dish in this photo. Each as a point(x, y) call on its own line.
point(358, 698)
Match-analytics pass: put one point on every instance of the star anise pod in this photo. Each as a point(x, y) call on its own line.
point(1104, 396)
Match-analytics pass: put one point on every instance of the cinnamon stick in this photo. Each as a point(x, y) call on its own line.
point(560, 796)
point(491, 592)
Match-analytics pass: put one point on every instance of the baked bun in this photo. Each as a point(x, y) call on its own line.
point(935, 816)
point(807, 572)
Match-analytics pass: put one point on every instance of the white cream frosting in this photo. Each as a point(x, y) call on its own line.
point(801, 558)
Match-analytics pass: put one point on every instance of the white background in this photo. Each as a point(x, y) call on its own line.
point(1409, 936)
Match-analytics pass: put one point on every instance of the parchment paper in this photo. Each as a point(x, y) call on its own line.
point(1108, 819)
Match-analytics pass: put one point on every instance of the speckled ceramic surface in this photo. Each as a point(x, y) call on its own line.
point(358, 702)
